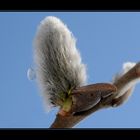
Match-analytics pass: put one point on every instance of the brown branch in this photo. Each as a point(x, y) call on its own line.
point(131, 75)
point(71, 120)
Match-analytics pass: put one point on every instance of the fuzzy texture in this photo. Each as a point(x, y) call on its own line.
point(58, 62)
point(126, 67)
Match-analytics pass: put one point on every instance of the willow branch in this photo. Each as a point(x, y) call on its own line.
point(73, 119)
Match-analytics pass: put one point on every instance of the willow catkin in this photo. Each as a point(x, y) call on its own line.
point(58, 62)
point(131, 85)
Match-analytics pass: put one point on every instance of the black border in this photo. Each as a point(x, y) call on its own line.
point(71, 5)
point(71, 133)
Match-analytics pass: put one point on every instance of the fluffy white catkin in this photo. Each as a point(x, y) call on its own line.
point(126, 67)
point(58, 62)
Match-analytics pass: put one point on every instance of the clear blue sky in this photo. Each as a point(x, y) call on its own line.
point(105, 39)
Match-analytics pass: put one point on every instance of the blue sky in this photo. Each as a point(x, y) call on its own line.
point(105, 39)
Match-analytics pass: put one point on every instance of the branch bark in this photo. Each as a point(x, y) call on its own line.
point(72, 119)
